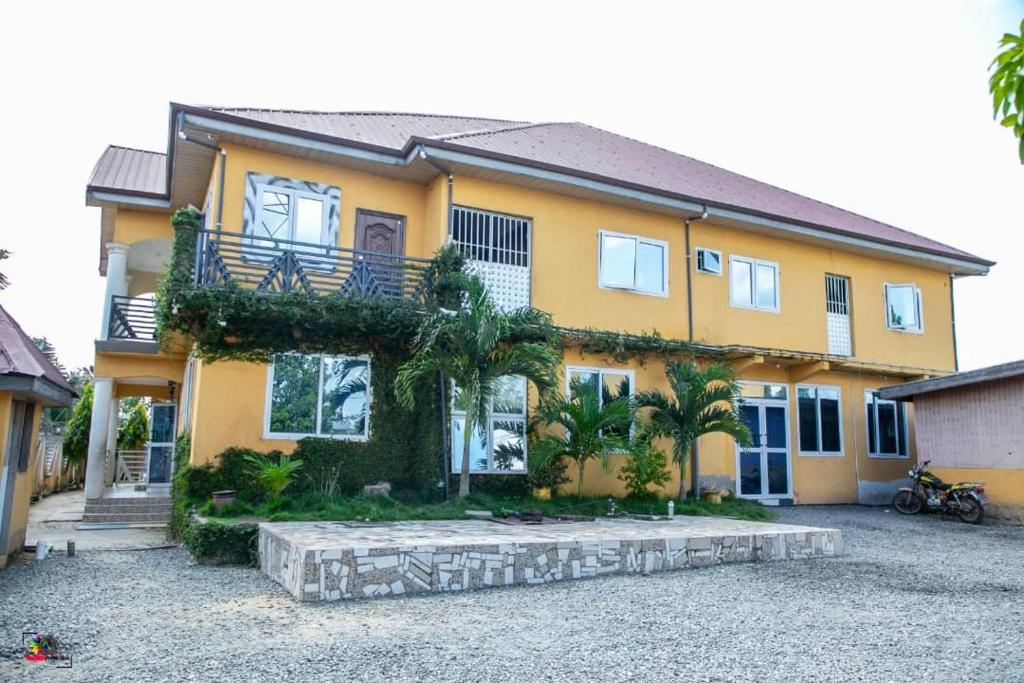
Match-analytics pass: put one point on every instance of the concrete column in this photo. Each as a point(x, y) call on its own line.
point(110, 471)
point(102, 398)
point(117, 281)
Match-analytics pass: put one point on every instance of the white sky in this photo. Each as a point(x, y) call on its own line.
point(879, 107)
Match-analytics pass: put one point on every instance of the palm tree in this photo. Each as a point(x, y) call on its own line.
point(475, 346)
point(593, 428)
point(702, 402)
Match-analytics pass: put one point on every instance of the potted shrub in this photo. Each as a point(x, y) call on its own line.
point(545, 473)
point(222, 499)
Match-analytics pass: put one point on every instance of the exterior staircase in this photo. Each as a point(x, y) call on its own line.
point(148, 510)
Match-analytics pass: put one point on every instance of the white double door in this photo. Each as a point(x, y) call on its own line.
point(763, 468)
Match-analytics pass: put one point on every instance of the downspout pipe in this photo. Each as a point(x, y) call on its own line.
point(952, 318)
point(182, 135)
point(694, 465)
point(442, 380)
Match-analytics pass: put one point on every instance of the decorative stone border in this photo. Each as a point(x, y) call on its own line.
point(312, 565)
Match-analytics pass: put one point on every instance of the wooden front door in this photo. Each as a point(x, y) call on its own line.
point(383, 233)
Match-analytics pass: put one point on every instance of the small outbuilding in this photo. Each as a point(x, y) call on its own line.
point(970, 425)
point(28, 383)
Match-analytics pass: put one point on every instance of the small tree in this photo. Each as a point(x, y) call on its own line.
point(702, 402)
point(1007, 86)
point(591, 429)
point(76, 436)
point(133, 430)
point(273, 477)
point(647, 466)
point(475, 346)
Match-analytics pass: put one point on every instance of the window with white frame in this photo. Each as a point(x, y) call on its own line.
point(753, 283)
point(903, 308)
point(327, 396)
point(279, 208)
point(819, 420)
point(887, 427)
point(709, 261)
point(498, 445)
point(633, 263)
point(610, 383)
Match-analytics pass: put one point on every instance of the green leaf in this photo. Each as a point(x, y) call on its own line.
point(1009, 121)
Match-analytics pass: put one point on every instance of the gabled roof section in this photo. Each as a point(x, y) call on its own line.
point(391, 130)
point(585, 149)
point(19, 355)
point(570, 149)
point(126, 170)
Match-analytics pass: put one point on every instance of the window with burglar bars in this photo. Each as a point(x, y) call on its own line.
point(498, 249)
point(491, 237)
point(837, 315)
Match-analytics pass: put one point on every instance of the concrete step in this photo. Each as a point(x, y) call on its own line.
point(128, 509)
point(133, 517)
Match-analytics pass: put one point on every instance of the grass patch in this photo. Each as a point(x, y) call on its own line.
point(317, 507)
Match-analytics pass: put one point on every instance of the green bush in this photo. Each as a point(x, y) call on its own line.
point(215, 542)
point(646, 466)
point(274, 476)
point(234, 473)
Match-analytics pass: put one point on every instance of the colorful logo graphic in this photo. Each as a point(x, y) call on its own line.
point(46, 647)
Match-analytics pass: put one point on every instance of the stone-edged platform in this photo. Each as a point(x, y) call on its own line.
point(340, 560)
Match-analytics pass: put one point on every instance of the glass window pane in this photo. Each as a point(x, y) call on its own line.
point(309, 220)
point(162, 424)
point(829, 405)
point(740, 283)
point(901, 302)
point(887, 444)
point(766, 295)
point(294, 393)
point(808, 418)
point(775, 426)
point(614, 385)
point(345, 387)
point(777, 391)
point(583, 377)
point(901, 427)
point(709, 261)
point(477, 449)
point(510, 395)
point(160, 464)
point(750, 473)
point(650, 267)
point(778, 477)
point(618, 257)
point(272, 217)
point(509, 438)
point(752, 418)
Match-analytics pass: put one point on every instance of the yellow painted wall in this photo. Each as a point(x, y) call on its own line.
point(23, 481)
point(230, 402)
point(123, 365)
point(358, 191)
point(1004, 488)
point(800, 323)
point(135, 226)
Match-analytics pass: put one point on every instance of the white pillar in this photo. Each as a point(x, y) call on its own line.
point(117, 281)
point(102, 395)
point(109, 472)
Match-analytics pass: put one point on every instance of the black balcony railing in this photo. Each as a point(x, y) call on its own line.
point(277, 265)
point(132, 318)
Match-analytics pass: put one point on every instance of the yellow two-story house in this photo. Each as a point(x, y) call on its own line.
point(815, 307)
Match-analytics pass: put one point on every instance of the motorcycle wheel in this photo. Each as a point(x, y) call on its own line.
point(907, 502)
point(971, 511)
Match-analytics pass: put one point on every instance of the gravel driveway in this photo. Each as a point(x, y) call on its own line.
point(914, 599)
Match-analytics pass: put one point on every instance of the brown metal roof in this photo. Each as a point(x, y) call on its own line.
point(19, 355)
point(383, 129)
point(991, 373)
point(135, 171)
point(573, 148)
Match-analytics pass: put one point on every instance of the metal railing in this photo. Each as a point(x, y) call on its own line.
point(132, 318)
point(131, 467)
point(279, 265)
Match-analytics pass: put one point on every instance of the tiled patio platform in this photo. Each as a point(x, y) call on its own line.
point(339, 560)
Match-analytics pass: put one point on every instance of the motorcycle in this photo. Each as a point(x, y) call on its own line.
point(964, 499)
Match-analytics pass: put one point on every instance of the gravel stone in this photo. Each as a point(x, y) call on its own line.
point(922, 598)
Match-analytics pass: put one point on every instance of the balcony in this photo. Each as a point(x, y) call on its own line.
point(278, 265)
point(131, 327)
